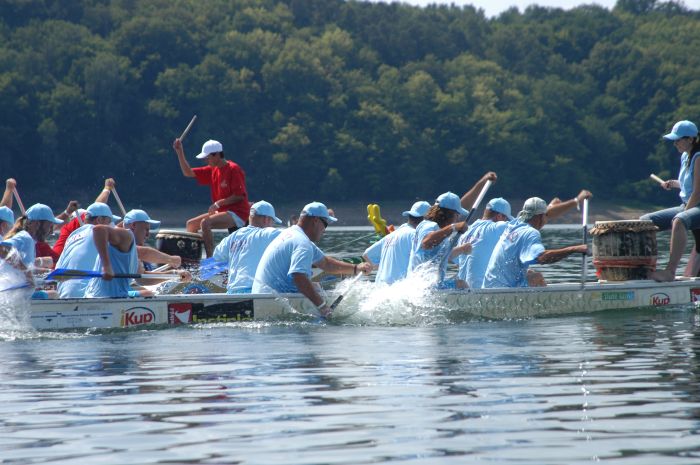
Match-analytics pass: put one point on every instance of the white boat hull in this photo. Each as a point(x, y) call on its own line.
point(173, 310)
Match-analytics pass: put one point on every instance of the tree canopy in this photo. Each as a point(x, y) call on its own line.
point(338, 100)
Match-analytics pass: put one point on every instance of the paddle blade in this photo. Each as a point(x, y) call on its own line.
point(210, 267)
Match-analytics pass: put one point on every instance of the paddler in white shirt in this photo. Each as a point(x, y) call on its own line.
point(80, 252)
point(286, 263)
point(117, 250)
point(391, 253)
point(243, 248)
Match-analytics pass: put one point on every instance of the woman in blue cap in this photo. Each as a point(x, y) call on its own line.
point(686, 216)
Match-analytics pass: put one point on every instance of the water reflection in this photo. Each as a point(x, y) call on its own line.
point(616, 386)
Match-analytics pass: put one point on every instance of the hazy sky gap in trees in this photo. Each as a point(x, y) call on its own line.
point(494, 7)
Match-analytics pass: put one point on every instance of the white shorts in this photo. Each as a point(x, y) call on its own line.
point(237, 219)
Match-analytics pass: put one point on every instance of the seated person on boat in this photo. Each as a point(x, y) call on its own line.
point(483, 235)
point(40, 223)
point(118, 254)
point(430, 247)
point(285, 266)
point(230, 207)
point(391, 253)
point(243, 248)
point(79, 251)
point(79, 220)
point(520, 246)
point(687, 215)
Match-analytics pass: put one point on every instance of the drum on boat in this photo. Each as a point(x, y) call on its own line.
point(187, 245)
point(624, 250)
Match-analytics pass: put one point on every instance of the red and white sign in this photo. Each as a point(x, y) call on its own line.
point(659, 299)
point(695, 294)
point(179, 314)
point(136, 316)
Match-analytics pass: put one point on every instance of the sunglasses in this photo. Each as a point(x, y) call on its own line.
point(325, 223)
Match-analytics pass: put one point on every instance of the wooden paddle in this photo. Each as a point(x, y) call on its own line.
point(19, 201)
point(187, 129)
point(341, 296)
point(454, 236)
point(60, 274)
point(584, 269)
point(119, 201)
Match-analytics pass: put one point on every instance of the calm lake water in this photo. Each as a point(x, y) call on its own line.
point(616, 387)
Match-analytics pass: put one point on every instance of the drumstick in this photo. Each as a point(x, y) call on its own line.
point(187, 129)
point(656, 178)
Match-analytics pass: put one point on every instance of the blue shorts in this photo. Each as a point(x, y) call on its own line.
point(663, 219)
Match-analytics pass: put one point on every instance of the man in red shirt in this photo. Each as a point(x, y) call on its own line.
point(76, 222)
point(230, 207)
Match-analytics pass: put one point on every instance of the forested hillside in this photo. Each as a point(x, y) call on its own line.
point(335, 100)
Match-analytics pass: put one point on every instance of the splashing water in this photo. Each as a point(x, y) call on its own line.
point(410, 301)
point(14, 302)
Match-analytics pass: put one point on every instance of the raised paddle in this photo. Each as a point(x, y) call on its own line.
point(482, 194)
point(453, 236)
point(60, 274)
point(584, 269)
point(119, 201)
point(19, 201)
point(187, 129)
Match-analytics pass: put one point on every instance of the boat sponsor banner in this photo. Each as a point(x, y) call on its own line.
point(223, 312)
point(659, 299)
point(136, 316)
point(614, 295)
point(188, 312)
point(695, 294)
point(180, 314)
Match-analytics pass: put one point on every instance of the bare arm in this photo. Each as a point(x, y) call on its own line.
point(554, 255)
point(151, 255)
point(695, 195)
point(555, 210)
point(104, 235)
point(306, 287)
point(335, 266)
point(464, 249)
point(435, 238)
point(104, 195)
point(184, 166)
point(471, 195)
point(7, 196)
point(225, 201)
point(73, 205)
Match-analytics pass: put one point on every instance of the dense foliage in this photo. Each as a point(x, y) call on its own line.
point(334, 100)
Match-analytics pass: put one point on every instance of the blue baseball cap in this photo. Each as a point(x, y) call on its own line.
point(317, 209)
point(263, 208)
point(418, 209)
point(682, 129)
point(134, 216)
point(41, 212)
point(23, 243)
point(101, 209)
point(451, 202)
point(500, 205)
point(7, 215)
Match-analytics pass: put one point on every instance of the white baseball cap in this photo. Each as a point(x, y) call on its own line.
point(210, 146)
